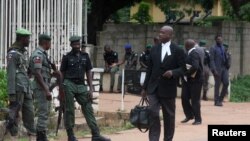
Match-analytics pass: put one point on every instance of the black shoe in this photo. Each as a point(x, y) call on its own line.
point(41, 136)
point(218, 104)
point(72, 138)
point(196, 123)
point(101, 89)
point(100, 138)
point(204, 98)
point(186, 120)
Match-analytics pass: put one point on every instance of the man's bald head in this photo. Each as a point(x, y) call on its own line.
point(168, 28)
point(189, 43)
point(166, 33)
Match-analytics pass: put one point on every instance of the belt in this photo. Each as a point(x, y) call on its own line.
point(77, 81)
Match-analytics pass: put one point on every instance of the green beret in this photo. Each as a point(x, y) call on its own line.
point(202, 42)
point(44, 37)
point(225, 45)
point(149, 46)
point(22, 31)
point(75, 38)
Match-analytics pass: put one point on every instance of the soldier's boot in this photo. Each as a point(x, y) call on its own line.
point(71, 136)
point(101, 89)
point(41, 136)
point(111, 89)
point(100, 138)
point(97, 137)
point(204, 97)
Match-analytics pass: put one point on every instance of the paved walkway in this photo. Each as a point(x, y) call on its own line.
point(230, 113)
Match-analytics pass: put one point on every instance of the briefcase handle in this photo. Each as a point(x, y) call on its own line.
point(144, 101)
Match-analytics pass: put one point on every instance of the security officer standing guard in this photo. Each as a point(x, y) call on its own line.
point(206, 69)
point(144, 58)
point(74, 66)
point(111, 60)
point(41, 69)
point(130, 58)
point(20, 96)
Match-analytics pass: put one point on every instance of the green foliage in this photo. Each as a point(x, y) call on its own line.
point(217, 18)
point(122, 15)
point(142, 15)
point(3, 89)
point(244, 12)
point(227, 8)
point(240, 89)
point(208, 22)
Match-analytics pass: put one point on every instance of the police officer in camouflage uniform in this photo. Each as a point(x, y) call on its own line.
point(144, 58)
point(40, 66)
point(130, 58)
point(74, 67)
point(206, 70)
point(111, 60)
point(20, 96)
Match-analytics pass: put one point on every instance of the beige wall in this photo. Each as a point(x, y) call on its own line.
point(117, 35)
point(158, 15)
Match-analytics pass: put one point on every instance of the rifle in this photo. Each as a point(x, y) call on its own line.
point(59, 108)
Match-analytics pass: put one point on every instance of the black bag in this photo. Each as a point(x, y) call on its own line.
point(140, 116)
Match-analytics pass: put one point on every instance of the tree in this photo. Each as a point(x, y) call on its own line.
point(236, 5)
point(100, 11)
point(142, 16)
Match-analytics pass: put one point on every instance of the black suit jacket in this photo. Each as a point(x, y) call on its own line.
point(194, 60)
point(155, 83)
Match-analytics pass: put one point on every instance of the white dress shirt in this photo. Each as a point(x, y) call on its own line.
point(191, 50)
point(165, 49)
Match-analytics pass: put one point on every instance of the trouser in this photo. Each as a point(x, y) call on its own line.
point(206, 78)
point(168, 109)
point(191, 91)
point(224, 79)
point(80, 93)
point(42, 105)
point(25, 102)
point(112, 72)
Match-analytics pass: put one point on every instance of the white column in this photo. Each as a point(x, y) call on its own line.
point(19, 13)
point(86, 21)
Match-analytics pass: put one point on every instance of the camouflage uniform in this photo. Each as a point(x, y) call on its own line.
point(131, 59)
point(39, 60)
point(18, 86)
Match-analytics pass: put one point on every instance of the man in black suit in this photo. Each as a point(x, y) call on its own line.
point(166, 64)
point(192, 84)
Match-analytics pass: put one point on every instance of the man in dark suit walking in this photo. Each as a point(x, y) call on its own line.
point(218, 64)
point(166, 64)
point(192, 84)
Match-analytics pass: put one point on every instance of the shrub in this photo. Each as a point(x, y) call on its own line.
point(240, 89)
point(142, 16)
point(3, 89)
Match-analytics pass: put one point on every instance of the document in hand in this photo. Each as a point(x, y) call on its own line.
point(188, 66)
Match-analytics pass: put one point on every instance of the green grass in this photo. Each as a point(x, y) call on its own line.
point(240, 89)
point(107, 130)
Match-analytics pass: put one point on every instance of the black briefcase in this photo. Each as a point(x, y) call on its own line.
point(140, 116)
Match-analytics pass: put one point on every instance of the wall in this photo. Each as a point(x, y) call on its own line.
point(139, 35)
point(159, 17)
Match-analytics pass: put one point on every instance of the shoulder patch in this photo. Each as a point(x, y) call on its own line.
point(37, 60)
